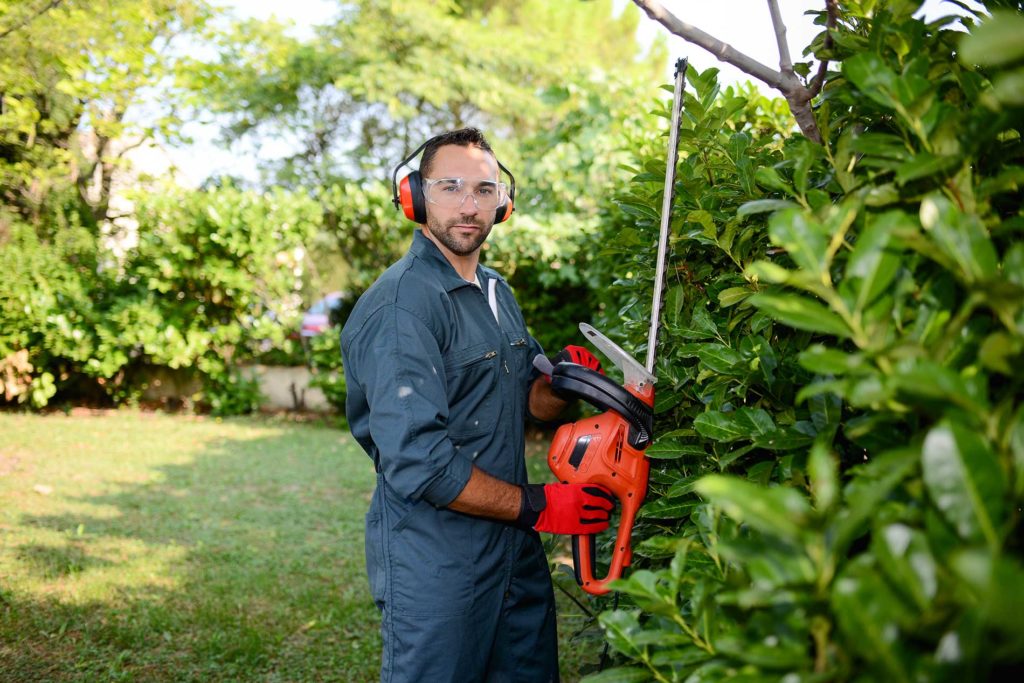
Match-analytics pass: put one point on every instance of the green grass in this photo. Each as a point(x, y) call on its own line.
point(149, 547)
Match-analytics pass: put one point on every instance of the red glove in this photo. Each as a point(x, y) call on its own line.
point(578, 355)
point(565, 508)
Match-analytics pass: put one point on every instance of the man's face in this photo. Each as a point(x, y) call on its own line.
point(462, 229)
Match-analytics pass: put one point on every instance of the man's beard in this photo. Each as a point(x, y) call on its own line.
point(458, 244)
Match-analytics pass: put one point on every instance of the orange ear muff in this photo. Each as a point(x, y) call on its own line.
point(503, 212)
point(410, 194)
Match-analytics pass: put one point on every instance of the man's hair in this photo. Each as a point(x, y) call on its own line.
point(463, 137)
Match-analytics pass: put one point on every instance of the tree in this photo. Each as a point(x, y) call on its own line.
point(72, 73)
point(368, 87)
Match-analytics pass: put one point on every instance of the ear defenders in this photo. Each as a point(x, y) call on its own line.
point(408, 196)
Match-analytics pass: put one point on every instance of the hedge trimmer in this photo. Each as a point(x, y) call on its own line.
point(609, 449)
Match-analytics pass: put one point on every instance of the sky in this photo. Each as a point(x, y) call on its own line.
point(753, 35)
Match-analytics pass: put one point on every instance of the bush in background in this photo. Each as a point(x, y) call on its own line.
point(213, 281)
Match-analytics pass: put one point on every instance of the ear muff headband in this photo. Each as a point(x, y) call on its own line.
point(407, 195)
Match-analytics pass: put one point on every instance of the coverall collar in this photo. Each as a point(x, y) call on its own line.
point(432, 256)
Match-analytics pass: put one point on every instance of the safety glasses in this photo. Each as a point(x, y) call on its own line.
point(450, 193)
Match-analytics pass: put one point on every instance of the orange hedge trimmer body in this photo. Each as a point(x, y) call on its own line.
point(607, 449)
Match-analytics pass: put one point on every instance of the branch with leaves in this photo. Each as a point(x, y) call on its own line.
point(30, 17)
point(785, 79)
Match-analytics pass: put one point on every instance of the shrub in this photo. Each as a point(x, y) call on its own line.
point(325, 364)
point(231, 393)
point(840, 461)
point(213, 281)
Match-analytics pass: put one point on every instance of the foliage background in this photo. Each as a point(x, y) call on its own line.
point(112, 277)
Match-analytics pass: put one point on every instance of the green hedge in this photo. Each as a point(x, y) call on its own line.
point(839, 468)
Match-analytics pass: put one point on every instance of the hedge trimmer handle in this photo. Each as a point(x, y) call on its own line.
point(584, 553)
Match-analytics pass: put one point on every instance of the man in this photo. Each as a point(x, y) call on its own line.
point(438, 366)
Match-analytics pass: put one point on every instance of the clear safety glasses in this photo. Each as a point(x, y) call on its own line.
point(450, 193)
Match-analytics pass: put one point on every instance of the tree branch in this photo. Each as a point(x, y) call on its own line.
point(785, 81)
point(30, 18)
point(723, 51)
point(143, 139)
point(785, 61)
point(818, 81)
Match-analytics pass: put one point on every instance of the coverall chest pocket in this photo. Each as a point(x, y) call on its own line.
point(472, 375)
point(518, 347)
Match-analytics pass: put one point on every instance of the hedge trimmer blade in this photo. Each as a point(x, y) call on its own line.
point(666, 212)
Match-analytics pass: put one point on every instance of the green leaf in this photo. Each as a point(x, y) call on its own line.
point(870, 616)
point(921, 378)
point(701, 321)
point(638, 209)
point(683, 487)
point(782, 440)
point(744, 423)
point(871, 484)
point(964, 480)
point(619, 674)
point(801, 313)
point(824, 473)
point(1016, 438)
point(826, 412)
point(719, 357)
point(803, 238)
point(620, 629)
point(667, 508)
point(872, 76)
point(770, 178)
point(996, 584)
point(764, 206)
point(733, 295)
point(872, 263)
point(679, 656)
point(805, 153)
point(882, 145)
point(995, 42)
point(775, 511)
point(1013, 264)
point(766, 271)
point(662, 638)
point(673, 449)
point(1008, 88)
point(961, 237)
point(773, 654)
point(826, 361)
point(651, 594)
point(1000, 352)
point(904, 555)
point(924, 165)
point(657, 547)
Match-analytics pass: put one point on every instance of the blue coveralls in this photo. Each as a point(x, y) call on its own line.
point(435, 385)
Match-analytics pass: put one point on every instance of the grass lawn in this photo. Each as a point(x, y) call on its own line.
point(150, 547)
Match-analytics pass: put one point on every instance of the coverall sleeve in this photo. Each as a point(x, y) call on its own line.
point(533, 350)
point(402, 375)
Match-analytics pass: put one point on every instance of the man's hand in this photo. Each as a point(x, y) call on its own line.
point(578, 355)
point(565, 508)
